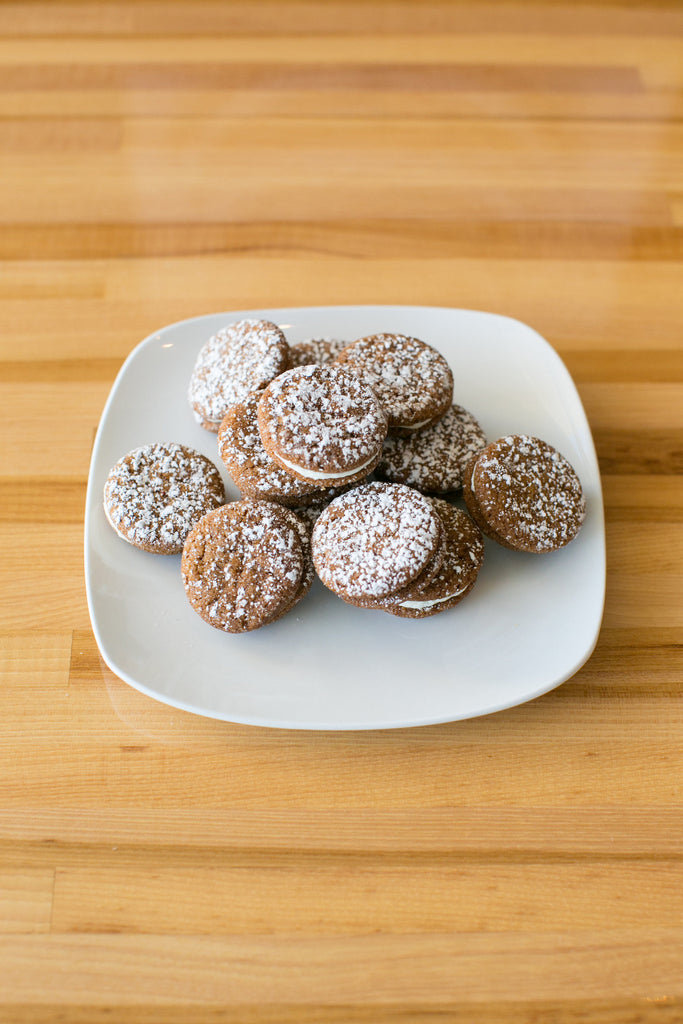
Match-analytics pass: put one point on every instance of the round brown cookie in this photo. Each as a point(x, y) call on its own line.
point(413, 589)
point(155, 494)
point(464, 554)
point(243, 565)
point(314, 350)
point(375, 540)
point(310, 513)
point(303, 530)
point(322, 424)
point(257, 475)
point(240, 358)
point(524, 494)
point(413, 381)
point(433, 460)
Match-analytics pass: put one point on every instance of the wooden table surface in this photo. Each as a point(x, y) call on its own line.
point(165, 160)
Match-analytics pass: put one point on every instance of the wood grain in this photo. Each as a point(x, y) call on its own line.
point(164, 160)
point(474, 238)
point(386, 971)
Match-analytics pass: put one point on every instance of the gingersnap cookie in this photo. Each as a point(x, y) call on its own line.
point(322, 424)
point(240, 358)
point(412, 380)
point(524, 494)
point(243, 565)
point(463, 558)
point(303, 529)
point(155, 494)
point(413, 590)
point(433, 460)
point(311, 513)
point(314, 350)
point(254, 472)
point(375, 540)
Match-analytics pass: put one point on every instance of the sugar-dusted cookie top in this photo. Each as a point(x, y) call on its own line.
point(243, 565)
point(463, 558)
point(314, 350)
point(375, 540)
point(242, 357)
point(255, 473)
point(322, 424)
point(434, 459)
point(303, 529)
point(413, 589)
point(523, 493)
point(413, 381)
point(155, 494)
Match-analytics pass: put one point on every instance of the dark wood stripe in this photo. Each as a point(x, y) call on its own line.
point(663, 513)
point(645, 651)
point(319, 17)
point(42, 500)
point(637, 367)
point(634, 1010)
point(333, 77)
point(639, 454)
point(473, 238)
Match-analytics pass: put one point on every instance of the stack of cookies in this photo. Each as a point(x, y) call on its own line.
point(388, 547)
point(342, 454)
point(427, 439)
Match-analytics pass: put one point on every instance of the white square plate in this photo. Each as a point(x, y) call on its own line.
point(529, 624)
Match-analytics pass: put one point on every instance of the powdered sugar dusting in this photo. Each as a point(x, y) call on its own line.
point(155, 494)
point(374, 540)
point(412, 380)
point(251, 467)
point(464, 553)
point(463, 558)
point(322, 418)
point(242, 565)
point(314, 350)
point(434, 459)
point(529, 493)
point(240, 358)
point(301, 525)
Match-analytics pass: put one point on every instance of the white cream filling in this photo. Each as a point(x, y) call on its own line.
point(430, 604)
point(314, 474)
point(414, 426)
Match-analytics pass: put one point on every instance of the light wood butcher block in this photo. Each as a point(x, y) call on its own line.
point(166, 160)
